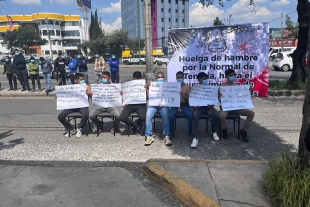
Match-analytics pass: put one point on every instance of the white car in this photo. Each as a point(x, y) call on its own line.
point(163, 59)
point(283, 61)
point(135, 60)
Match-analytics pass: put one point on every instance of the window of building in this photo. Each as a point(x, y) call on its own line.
point(70, 23)
point(44, 32)
point(162, 1)
point(154, 20)
point(169, 1)
point(55, 52)
point(182, 11)
point(57, 33)
point(52, 32)
point(183, 21)
point(43, 22)
point(176, 11)
point(47, 52)
point(176, 20)
point(162, 19)
point(183, 2)
point(56, 23)
point(162, 29)
point(70, 43)
point(169, 10)
point(162, 9)
point(70, 33)
point(176, 1)
point(154, 29)
point(169, 19)
point(50, 22)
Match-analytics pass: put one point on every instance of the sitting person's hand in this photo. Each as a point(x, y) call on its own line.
point(124, 105)
point(147, 85)
point(121, 93)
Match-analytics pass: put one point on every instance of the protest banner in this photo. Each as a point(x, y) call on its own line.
point(71, 96)
point(106, 95)
point(203, 95)
point(236, 97)
point(164, 94)
point(243, 48)
point(134, 92)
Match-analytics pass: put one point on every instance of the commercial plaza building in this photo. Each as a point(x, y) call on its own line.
point(65, 31)
point(166, 14)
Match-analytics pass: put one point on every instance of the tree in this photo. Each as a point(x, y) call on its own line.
point(299, 73)
point(94, 27)
point(217, 22)
point(24, 37)
point(292, 27)
point(134, 44)
point(116, 41)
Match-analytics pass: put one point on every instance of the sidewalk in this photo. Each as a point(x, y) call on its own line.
point(19, 93)
point(230, 183)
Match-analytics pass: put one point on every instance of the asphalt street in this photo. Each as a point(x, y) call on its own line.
point(126, 74)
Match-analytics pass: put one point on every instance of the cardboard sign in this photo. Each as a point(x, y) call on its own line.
point(71, 96)
point(106, 95)
point(203, 95)
point(134, 92)
point(236, 97)
point(164, 94)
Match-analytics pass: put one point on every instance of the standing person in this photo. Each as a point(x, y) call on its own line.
point(99, 68)
point(72, 68)
point(114, 68)
point(20, 69)
point(140, 109)
point(8, 70)
point(106, 77)
point(199, 110)
point(47, 69)
point(33, 68)
point(62, 117)
point(59, 69)
point(151, 111)
point(230, 77)
point(184, 106)
point(82, 65)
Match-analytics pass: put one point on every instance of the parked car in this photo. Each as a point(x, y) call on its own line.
point(163, 59)
point(134, 60)
point(283, 61)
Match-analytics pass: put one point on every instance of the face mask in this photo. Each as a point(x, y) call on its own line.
point(97, 56)
point(113, 56)
point(104, 80)
point(180, 80)
point(160, 79)
point(205, 82)
point(232, 78)
point(6, 60)
point(63, 57)
point(82, 82)
point(32, 61)
point(17, 53)
point(79, 56)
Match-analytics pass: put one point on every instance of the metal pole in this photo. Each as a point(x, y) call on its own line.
point(139, 37)
point(85, 23)
point(281, 32)
point(149, 73)
point(49, 38)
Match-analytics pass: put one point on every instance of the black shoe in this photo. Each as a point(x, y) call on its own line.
point(225, 134)
point(244, 135)
point(47, 92)
point(24, 89)
point(134, 130)
point(10, 89)
point(189, 138)
point(140, 129)
point(15, 89)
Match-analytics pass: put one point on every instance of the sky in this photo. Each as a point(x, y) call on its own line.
point(238, 11)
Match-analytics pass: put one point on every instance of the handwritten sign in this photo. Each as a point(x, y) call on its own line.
point(134, 92)
point(71, 96)
point(202, 95)
point(236, 97)
point(164, 94)
point(106, 95)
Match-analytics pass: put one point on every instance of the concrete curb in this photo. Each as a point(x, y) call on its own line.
point(189, 195)
point(185, 192)
point(286, 92)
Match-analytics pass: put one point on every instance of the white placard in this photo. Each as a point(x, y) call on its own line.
point(71, 96)
point(202, 95)
point(164, 94)
point(106, 95)
point(236, 97)
point(134, 92)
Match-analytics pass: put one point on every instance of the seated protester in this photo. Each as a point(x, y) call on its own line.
point(230, 76)
point(106, 79)
point(199, 110)
point(184, 107)
point(62, 117)
point(140, 109)
point(151, 111)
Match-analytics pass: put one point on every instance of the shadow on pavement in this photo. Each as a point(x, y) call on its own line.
point(11, 143)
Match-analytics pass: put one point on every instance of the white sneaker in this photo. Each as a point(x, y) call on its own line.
point(149, 140)
point(79, 133)
point(167, 141)
point(215, 136)
point(72, 132)
point(194, 143)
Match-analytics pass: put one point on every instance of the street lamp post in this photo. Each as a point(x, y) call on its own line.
point(49, 38)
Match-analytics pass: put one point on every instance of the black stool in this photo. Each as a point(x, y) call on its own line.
point(103, 115)
point(235, 118)
point(74, 116)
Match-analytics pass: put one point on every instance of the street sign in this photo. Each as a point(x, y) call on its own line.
point(84, 4)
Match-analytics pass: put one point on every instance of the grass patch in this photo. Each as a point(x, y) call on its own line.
point(286, 85)
point(286, 184)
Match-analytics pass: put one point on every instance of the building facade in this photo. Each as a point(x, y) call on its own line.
point(64, 30)
point(166, 14)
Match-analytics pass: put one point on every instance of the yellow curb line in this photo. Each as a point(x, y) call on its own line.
point(189, 195)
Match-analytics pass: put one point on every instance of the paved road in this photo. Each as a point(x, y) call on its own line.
point(126, 74)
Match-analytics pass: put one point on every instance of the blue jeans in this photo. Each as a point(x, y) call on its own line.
point(48, 79)
point(187, 111)
point(150, 113)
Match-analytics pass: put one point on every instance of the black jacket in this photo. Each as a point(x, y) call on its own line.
point(8, 69)
point(59, 65)
point(19, 62)
point(82, 64)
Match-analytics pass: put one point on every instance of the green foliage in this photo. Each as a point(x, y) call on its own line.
point(217, 22)
point(94, 27)
point(291, 26)
point(286, 183)
point(134, 44)
point(116, 41)
point(24, 37)
point(286, 85)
